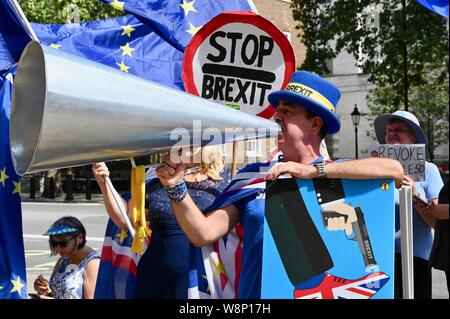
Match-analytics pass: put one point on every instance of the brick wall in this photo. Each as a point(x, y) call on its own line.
point(280, 14)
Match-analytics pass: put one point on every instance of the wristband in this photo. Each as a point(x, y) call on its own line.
point(178, 192)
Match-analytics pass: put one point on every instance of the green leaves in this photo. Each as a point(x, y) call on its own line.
point(62, 11)
point(376, 33)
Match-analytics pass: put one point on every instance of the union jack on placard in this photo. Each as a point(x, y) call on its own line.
point(333, 287)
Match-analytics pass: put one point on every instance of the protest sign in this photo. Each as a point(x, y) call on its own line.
point(411, 156)
point(237, 59)
point(306, 252)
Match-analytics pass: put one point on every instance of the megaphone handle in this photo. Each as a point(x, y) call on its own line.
point(119, 205)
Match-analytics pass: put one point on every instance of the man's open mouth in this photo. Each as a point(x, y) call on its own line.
point(281, 125)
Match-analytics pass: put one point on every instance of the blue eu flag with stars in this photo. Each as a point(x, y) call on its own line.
point(12, 255)
point(176, 21)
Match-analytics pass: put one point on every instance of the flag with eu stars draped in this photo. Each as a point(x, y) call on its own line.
point(12, 253)
point(123, 43)
point(176, 21)
point(14, 35)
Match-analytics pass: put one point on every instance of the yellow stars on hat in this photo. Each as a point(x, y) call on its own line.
point(127, 49)
point(123, 67)
point(127, 30)
point(3, 176)
point(17, 286)
point(117, 5)
point(122, 235)
point(16, 187)
point(193, 29)
point(55, 46)
point(188, 7)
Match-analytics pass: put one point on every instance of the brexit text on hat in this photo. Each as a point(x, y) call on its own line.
point(310, 93)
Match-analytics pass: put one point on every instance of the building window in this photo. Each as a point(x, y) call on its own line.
point(253, 148)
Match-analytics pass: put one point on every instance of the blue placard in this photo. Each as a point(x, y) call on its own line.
point(327, 264)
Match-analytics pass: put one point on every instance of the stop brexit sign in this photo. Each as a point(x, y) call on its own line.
point(237, 59)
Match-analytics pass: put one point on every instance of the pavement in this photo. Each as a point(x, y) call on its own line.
point(77, 198)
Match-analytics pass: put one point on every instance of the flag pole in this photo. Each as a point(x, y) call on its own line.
point(120, 206)
point(18, 10)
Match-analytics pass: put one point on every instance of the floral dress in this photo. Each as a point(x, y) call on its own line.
point(66, 281)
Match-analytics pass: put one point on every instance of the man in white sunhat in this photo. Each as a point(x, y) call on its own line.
point(402, 127)
point(306, 114)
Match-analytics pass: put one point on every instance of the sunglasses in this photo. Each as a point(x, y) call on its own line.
point(62, 243)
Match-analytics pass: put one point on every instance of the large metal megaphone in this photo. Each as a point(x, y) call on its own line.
point(68, 111)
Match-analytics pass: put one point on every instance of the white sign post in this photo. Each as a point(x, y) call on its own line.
point(406, 233)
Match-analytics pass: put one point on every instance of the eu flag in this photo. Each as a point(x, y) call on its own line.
point(13, 35)
point(12, 254)
point(123, 43)
point(176, 21)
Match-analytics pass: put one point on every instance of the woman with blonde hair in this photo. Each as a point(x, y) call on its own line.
point(163, 269)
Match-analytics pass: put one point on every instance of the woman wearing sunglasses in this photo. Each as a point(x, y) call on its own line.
point(75, 273)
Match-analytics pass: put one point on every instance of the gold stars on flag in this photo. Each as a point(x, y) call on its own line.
point(3, 176)
point(218, 268)
point(55, 46)
point(188, 7)
point(16, 187)
point(123, 67)
point(122, 235)
point(17, 286)
point(127, 30)
point(127, 49)
point(117, 5)
point(193, 29)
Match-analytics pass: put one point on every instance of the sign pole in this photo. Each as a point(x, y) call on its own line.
point(406, 230)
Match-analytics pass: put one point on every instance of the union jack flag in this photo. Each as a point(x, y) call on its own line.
point(333, 287)
point(118, 264)
point(215, 269)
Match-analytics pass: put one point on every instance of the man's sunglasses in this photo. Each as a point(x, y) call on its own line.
point(62, 243)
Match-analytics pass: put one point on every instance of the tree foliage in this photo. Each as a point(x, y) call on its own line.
point(63, 11)
point(381, 35)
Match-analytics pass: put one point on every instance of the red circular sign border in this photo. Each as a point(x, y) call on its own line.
point(238, 17)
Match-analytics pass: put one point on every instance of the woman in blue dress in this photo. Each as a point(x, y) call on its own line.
point(75, 273)
point(162, 271)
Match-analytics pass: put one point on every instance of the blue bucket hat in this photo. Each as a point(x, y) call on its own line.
point(314, 94)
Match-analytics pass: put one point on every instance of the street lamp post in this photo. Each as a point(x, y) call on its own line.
point(356, 116)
